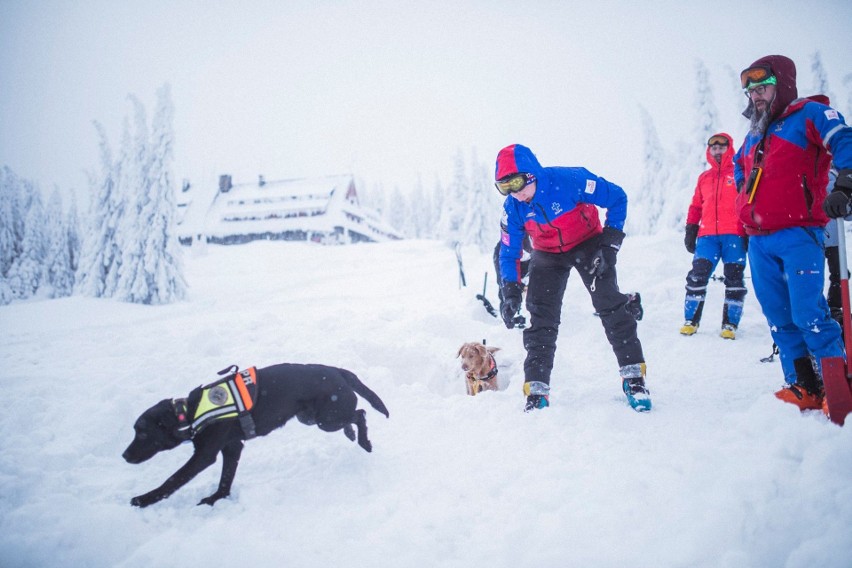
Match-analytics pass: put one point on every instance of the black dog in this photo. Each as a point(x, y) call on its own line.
point(217, 419)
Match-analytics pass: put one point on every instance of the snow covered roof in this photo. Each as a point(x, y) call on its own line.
point(324, 209)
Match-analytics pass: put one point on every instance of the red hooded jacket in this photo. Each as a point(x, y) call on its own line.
point(713, 206)
point(800, 141)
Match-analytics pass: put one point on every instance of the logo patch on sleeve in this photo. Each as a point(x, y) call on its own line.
point(831, 114)
point(504, 238)
point(590, 186)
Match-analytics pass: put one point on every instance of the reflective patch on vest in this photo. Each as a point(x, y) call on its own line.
point(218, 396)
point(590, 186)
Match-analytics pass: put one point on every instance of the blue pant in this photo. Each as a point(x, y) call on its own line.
point(708, 251)
point(788, 273)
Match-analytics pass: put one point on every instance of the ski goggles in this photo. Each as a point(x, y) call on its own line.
point(756, 76)
point(717, 141)
point(513, 183)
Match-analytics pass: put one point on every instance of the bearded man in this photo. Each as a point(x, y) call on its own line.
point(781, 172)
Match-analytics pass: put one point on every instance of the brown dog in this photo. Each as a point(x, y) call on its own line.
point(479, 366)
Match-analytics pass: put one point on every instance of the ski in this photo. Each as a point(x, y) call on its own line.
point(836, 371)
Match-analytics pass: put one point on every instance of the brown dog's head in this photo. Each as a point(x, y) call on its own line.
point(476, 358)
point(156, 431)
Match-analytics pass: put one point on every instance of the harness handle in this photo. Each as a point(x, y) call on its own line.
point(228, 370)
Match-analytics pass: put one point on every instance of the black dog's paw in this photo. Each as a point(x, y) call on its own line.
point(140, 501)
point(211, 500)
point(349, 431)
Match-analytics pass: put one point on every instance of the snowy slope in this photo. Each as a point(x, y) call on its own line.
point(718, 474)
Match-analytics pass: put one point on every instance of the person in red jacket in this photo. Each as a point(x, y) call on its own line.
point(713, 232)
point(782, 172)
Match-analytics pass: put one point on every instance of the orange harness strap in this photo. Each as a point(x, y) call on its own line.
point(242, 380)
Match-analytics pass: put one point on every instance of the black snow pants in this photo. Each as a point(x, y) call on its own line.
point(547, 281)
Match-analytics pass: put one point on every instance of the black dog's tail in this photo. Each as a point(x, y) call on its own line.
point(365, 392)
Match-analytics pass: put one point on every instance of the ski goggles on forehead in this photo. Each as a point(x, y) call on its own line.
point(717, 141)
point(514, 183)
point(754, 76)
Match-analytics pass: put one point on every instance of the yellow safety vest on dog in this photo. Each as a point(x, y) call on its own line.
point(231, 397)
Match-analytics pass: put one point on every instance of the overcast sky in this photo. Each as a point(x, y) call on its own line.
point(388, 91)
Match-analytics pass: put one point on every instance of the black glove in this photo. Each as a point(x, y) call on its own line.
point(511, 303)
point(690, 237)
point(844, 180)
point(612, 238)
point(837, 203)
point(606, 256)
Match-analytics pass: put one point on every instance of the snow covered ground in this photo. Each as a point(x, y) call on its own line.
point(718, 474)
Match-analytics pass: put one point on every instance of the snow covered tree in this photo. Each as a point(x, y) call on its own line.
point(28, 269)
point(422, 211)
point(399, 213)
point(11, 220)
point(155, 276)
point(482, 208)
point(452, 206)
point(707, 122)
point(72, 228)
point(820, 77)
point(133, 185)
point(132, 253)
point(98, 249)
point(438, 197)
point(58, 271)
point(646, 207)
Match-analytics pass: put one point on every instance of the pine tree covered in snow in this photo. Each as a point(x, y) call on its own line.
point(707, 122)
point(11, 230)
point(439, 197)
point(31, 262)
point(28, 269)
point(423, 211)
point(132, 168)
point(72, 228)
point(399, 213)
point(453, 202)
point(647, 205)
point(98, 249)
point(58, 264)
point(132, 252)
point(820, 77)
point(152, 272)
point(482, 208)
point(11, 220)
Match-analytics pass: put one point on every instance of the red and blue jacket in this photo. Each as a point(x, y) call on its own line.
point(798, 150)
point(561, 214)
point(713, 203)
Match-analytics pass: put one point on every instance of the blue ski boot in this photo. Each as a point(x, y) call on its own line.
point(538, 395)
point(633, 384)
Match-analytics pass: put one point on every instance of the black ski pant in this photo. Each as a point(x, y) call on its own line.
point(547, 281)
